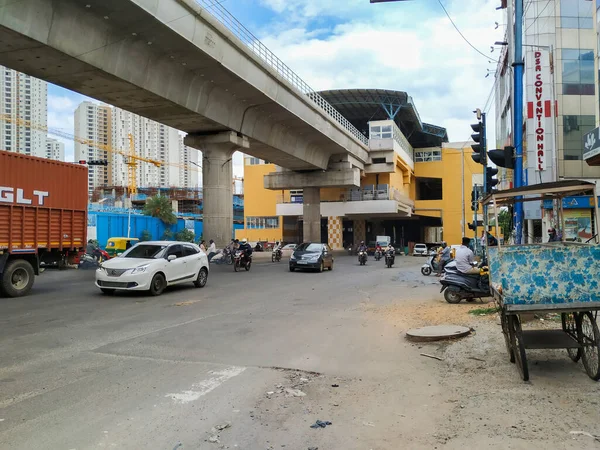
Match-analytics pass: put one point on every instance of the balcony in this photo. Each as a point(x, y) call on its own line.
point(381, 200)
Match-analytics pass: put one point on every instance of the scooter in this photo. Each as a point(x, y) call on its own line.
point(431, 265)
point(362, 258)
point(276, 255)
point(377, 255)
point(457, 286)
point(389, 258)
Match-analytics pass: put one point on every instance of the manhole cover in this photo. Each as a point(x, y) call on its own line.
point(437, 333)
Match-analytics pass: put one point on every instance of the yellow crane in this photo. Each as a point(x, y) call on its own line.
point(131, 159)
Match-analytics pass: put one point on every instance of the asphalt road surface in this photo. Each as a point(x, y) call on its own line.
point(255, 358)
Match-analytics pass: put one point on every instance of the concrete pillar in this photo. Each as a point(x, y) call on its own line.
point(311, 214)
point(335, 233)
point(360, 231)
point(217, 182)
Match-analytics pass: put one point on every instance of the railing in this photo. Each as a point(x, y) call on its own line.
point(380, 192)
point(214, 8)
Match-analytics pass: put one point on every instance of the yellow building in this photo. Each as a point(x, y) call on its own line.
point(415, 189)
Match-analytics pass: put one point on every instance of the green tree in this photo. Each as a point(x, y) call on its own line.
point(167, 235)
point(160, 206)
point(184, 235)
point(145, 235)
point(504, 222)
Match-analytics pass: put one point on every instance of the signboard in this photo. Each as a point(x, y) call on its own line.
point(573, 203)
point(591, 144)
point(541, 110)
point(578, 226)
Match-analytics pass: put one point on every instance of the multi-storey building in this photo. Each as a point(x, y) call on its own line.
point(55, 149)
point(560, 99)
point(93, 123)
point(156, 142)
point(23, 99)
point(416, 186)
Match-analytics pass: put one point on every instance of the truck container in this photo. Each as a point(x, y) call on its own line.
point(43, 217)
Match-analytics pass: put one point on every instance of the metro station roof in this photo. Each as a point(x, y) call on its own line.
point(361, 106)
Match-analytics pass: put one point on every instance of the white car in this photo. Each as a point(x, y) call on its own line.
point(152, 266)
point(420, 250)
point(287, 250)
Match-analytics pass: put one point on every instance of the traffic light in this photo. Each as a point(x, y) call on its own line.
point(478, 148)
point(82, 161)
point(97, 162)
point(473, 225)
point(490, 181)
point(503, 158)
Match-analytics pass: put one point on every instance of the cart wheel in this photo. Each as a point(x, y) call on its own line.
point(505, 332)
point(590, 338)
point(516, 339)
point(569, 326)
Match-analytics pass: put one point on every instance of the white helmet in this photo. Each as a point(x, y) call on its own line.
point(244, 241)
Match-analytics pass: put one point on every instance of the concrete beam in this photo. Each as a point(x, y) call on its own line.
point(302, 180)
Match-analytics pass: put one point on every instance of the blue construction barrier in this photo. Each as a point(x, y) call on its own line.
point(115, 225)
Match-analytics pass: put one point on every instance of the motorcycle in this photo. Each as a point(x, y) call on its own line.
point(276, 255)
point(377, 255)
point(362, 258)
point(389, 258)
point(457, 286)
point(241, 260)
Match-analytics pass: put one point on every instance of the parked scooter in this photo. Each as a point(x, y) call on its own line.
point(362, 258)
point(390, 258)
point(457, 286)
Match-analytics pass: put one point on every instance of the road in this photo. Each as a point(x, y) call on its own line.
point(266, 353)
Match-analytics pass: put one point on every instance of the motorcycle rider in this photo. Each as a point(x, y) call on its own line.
point(362, 248)
point(444, 258)
point(246, 249)
point(464, 258)
point(277, 248)
point(378, 249)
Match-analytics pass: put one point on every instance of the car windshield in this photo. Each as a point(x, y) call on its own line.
point(145, 251)
point(309, 248)
point(420, 246)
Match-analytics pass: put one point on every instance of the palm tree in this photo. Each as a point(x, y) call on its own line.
point(160, 206)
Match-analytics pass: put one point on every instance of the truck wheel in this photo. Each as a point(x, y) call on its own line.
point(17, 278)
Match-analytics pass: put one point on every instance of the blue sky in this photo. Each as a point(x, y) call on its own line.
point(333, 44)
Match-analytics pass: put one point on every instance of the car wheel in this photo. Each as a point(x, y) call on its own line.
point(158, 284)
point(202, 278)
point(330, 266)
point(107, 291)
point(321, 267)
point(292, 269)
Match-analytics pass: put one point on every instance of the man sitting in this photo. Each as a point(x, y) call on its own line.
point(464, 258)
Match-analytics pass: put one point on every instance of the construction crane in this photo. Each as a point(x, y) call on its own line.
point(131, 159)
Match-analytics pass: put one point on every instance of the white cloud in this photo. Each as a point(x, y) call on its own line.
point(399, 46)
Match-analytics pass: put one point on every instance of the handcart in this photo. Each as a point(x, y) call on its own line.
point(556, 277)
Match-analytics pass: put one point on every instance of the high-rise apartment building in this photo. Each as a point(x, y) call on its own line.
point(55, 149)
point(156, 142)
point(93, 123)
point(23, 99)
point(560, 98)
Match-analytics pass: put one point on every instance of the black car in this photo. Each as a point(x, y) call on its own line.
point(311, 256)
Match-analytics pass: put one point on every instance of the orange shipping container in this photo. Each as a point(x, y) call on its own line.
point(43, 203)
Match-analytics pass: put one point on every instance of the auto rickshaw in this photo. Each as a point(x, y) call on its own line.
point(117, 245)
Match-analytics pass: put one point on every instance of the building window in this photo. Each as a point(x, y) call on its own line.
point(381, 132)
point(576, 14)
point(378, 160)
point(262, 222)
point(255, 161)
point(433, 155)
point(574, 128)
point(429, 189)
point(578, 71)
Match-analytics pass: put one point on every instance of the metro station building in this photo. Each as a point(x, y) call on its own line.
point(416, 186)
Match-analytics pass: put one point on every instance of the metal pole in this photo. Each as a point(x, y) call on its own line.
point(485, 188)
point(462, 177)
point(518, 116)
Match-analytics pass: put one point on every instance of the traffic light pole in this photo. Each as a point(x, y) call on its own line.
point(518, 116)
